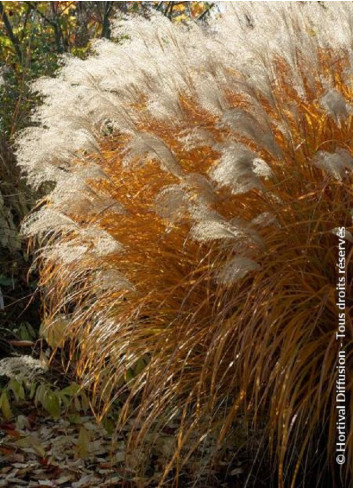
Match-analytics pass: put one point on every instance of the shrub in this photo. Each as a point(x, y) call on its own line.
point(189, 241)
point(15, 202)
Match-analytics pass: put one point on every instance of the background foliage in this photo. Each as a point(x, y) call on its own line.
point(35, 34)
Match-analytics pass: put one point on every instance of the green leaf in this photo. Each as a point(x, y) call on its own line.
point(52, 404)
point(77, 404)
point(26, 332)
point(17, 388)
point(32, 390)
point(83, 443)
point(74, 418)
point(54, 333)
point(109, 425)
point(129, 375)
point(71, 390)
point(5, 405)
point(64, 400)
point(84, 402)
point(140, 365)
point(40, 394)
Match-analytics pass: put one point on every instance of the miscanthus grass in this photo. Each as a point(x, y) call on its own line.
point(197, 175)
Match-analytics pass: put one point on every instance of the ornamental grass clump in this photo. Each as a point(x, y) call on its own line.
point(189, 243)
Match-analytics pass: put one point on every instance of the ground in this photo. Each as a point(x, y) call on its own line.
point(41, 452)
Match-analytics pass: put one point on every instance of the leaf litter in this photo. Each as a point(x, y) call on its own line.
point(42, 452)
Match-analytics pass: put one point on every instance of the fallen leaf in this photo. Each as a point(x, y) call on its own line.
point(83, 481)
point(63, 479)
